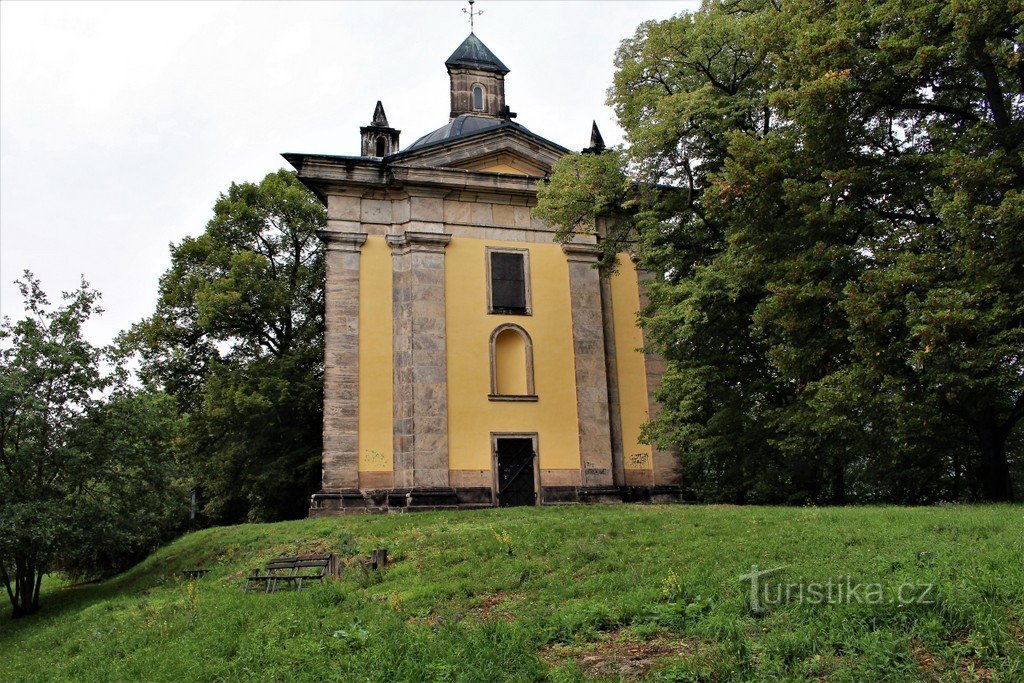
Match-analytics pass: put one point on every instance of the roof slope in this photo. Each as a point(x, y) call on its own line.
point(473, 54)
point(471, 125)
point(464, 124)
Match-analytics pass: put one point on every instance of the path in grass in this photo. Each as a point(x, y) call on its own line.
point(562, 593)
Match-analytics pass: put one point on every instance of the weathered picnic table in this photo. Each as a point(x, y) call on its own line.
point(290, 571)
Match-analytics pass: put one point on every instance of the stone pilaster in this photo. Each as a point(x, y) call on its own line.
point(612, 372)
point(591, 372)
point(420, 364)
point(341, 360)
point(665, 461)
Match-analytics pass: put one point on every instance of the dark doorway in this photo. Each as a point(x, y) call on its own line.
point(516, 484)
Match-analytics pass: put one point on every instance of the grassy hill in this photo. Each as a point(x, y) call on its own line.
point(603, 592)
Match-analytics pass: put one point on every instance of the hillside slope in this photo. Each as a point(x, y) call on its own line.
point(556, 593)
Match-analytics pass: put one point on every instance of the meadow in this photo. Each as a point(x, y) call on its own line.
point(560, 594)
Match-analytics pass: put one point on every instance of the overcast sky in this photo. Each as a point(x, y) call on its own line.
point(120, 122)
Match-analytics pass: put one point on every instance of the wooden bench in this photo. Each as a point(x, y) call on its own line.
point(289, 571)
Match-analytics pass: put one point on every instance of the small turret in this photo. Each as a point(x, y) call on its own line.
point(378, 139)
point(477, 79)
point(596, 141)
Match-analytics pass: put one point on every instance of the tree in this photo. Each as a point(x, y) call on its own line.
point(88, 481)
point(139, 495)
point(237, 339)
point(48, 377)
point(833, 194)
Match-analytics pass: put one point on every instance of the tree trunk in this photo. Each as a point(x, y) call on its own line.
point(838, 482)
point(995, 468)
point(10, 590)
point(957, 466)
point(23, 587)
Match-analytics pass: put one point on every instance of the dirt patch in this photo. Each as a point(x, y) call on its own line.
point(494, 607)
point(1015, 626)
point(932, 667)
point(432, 621)
point(617, 657)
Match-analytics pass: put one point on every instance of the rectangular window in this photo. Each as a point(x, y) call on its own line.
point(509, 281)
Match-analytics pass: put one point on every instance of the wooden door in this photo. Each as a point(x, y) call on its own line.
point(516, 478)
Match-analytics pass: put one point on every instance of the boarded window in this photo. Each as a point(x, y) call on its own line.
point(478, 98)
point(508, 283)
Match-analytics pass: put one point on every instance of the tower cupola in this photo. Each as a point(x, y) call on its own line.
point(477, 79)
point(378, 139)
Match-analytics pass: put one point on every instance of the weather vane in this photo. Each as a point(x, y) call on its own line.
point(471, 14)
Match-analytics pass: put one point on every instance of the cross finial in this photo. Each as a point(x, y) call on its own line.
point(472, 14)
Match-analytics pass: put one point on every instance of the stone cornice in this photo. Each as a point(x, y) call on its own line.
point(325, 167)
point(587, 253)
point(459, 179)
point(342, 241)
point(326, 174)
point(418, 241)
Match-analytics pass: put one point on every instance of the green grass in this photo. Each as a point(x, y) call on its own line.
point(566, 593)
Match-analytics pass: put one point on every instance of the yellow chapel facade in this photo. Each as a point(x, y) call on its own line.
point(470, 360)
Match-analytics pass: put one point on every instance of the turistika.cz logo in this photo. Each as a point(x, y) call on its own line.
point(835, 591)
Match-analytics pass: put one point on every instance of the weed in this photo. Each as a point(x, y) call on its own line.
point(355, 637)
point(599, 592)
point(504, 540)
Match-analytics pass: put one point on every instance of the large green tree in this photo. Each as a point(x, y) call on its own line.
point(48, 376)
point(237, 338)
point(88, 481)
point(833, 194)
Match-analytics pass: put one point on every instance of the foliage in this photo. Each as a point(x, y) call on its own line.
point(49, 376)
point(140, 496)
point(586, 592)
point(833, 195)
point(237, 339)
point(87, 478)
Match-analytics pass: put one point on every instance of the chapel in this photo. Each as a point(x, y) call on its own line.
point(470, 359)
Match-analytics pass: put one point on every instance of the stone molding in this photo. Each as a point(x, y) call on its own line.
point(531, 392)
point(583, 253)
point(342, 241)
point(461, 179)
point(418, 241)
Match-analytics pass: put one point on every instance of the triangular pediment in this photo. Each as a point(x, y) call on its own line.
point(504, 149)
point(506, 161)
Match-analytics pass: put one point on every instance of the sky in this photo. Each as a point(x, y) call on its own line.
point(121, 123)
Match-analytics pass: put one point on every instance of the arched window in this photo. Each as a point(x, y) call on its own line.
point(381, 145)
point(511, 364)
point(478, 97)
